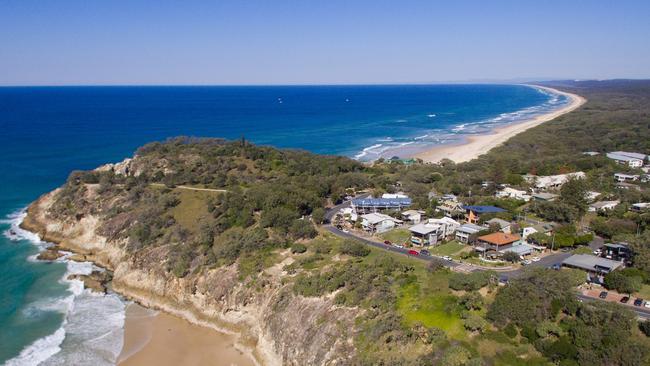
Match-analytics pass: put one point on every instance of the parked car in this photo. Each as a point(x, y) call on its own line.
point(603, 295)
point(346, 231)
point(556, 266)
point(638, 302)
point(399, 245)
point(447, 258)
point(413, 252)
point(535, 259)
point(425, 252)
point(503, 279)
point(598, 252)
point(387, 242)
point(526, 262)
point(647, 304)
point(625, 299)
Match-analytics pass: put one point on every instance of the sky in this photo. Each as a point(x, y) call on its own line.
point(135, 42)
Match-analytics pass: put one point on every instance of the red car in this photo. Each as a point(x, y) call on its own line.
point(414, 252)
point(387, 242)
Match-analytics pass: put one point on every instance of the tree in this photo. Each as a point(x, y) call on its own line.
point(455, 356)
point(302, 229)
point(471, 301)
point(354, 248)
point(510, 256)
point(620, 282)
point(475, 323)
point(318, 215)
point(574, 194)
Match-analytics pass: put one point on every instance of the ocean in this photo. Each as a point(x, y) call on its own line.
point(46, 132)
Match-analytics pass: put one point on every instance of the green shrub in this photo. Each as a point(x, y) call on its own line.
point(354, 248)
point(298, 248)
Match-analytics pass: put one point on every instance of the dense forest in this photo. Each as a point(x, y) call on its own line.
point(256, 202)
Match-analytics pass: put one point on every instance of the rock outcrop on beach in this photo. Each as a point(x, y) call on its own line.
point(49, 255)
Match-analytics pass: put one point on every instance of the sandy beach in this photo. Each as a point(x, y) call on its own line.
point(157, 338)
point(478, 145)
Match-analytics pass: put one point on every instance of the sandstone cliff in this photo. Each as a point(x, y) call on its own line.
point(278, 326)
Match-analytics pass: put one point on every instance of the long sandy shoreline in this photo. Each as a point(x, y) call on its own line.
point(478, 145)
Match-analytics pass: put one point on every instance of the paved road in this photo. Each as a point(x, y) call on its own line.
point(641, 312)
point(545, 262)
point(389, 248)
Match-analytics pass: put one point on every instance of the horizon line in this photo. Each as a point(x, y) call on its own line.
point(515, 81)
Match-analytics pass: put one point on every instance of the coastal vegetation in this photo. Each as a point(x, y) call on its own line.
point(187, 207)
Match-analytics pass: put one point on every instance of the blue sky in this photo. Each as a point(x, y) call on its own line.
point(315, 42)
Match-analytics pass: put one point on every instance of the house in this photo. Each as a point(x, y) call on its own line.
point(552, 181)
point(603, 206)
point(451, 208)
point(546, 197)
point(596, 267)
point(622, 177)
point(617, 251)
point(640, 207)
point(366, 205)
point(413, 216)
point(504, 226)
point(349, 214)
point(425, 234)
point(464, 232)
point(631, 159)
point(521, 250)
point(527, 231)
point(496, 242)
point(379, 223)
point(591, 196)
point(509, 192)
point(473, 213)
point(390, 196)
point(448, 224)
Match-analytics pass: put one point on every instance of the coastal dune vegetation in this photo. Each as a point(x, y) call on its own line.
point(231, 233)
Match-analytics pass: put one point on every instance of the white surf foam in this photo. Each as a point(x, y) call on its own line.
point(92, 328)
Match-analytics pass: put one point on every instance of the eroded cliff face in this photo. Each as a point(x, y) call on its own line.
point(280, 327)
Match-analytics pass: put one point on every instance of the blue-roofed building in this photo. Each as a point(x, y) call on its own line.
point(473, 213)
point(365, 205)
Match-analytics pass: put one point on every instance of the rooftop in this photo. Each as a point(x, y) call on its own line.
point(382, 202)
point(470, 228)
point(484, 209)
point(601, 204)
point(545, 196)
point(592, 263)
point(424, 229)
point(500, 222)
point(375, 218)
point(626, 156)
point(499, 238)
point(523, 249)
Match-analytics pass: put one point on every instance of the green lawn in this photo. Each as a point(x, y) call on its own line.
point(450, 248)
point(192, 206)
point(430, 303)
point(644, 293)
point(396, 235)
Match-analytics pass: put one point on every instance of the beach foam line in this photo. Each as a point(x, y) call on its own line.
point(45, 349)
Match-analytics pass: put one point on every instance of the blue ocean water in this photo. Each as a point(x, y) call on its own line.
point(46, 132)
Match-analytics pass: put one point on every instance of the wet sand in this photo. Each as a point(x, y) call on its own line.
point(159, 339)
point(478, 145)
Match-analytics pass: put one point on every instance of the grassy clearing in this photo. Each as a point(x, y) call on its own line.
point(430, 302)
point(644, 293)
point(192, 206)
point(451, 248)
point(396, 235)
